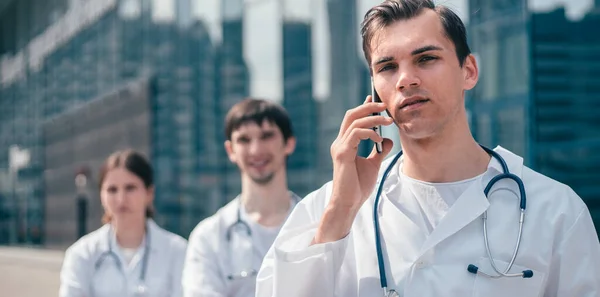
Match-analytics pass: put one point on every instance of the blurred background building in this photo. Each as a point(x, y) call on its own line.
point(539, 89)
point(80, 79)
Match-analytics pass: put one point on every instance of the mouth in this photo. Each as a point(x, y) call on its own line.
point(413, 102)
point(123, 209)
point(259, 164)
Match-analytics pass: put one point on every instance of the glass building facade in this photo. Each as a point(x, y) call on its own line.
point(65, 71)
point(61, 61)
point(539, 88)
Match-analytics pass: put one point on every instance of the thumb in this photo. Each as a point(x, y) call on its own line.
point(379, 157)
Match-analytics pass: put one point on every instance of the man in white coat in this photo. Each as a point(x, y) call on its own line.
point(226, 249)
point(432, 200)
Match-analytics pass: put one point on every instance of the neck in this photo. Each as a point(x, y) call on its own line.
point(129, 235)
point(267, 203)
point(450, 156)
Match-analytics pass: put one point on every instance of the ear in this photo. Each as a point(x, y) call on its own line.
point(229, 150)
point(150, 193)
point(104, 203)
point(470, 72)
point(290, 145)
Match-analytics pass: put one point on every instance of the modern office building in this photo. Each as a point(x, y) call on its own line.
point(65, 61)
point(298, 101)
point(538, 89)
point(78, 141)
point(92, 49)
point(349, 79)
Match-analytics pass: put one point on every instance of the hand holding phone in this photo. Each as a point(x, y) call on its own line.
point(377, 129)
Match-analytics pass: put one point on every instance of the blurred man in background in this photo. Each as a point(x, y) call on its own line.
point(227, 249)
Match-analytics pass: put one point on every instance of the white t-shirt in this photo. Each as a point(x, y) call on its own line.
point(262, 236)
point(128, 253)
point(434, 199)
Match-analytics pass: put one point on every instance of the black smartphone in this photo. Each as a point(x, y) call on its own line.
point(377, 129)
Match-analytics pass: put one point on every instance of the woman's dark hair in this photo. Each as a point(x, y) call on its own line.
point(134, 162)
point(391, 11)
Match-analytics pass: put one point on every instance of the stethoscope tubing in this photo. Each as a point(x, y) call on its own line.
point(471, 268)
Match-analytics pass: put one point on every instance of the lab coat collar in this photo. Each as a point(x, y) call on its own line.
point(152, 234)
point(468, 207)
point(472, 203)
point(229, 211)
point(155, 234)
point(513, 161)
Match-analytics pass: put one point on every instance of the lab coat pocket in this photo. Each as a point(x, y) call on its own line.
point(506, 286)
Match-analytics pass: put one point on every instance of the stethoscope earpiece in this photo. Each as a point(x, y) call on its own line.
point(475, 270)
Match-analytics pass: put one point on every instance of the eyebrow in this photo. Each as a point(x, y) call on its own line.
point(415, 52)
point(384, 60)
point(426, 49)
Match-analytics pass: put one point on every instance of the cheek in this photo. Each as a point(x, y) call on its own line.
point(279, 150)
point(386, 88)
point(107, 202)
point(140, 198)
point(240, 153)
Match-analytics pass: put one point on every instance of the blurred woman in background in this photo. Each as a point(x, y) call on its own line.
point(130, 255)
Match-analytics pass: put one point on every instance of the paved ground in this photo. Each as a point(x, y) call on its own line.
point(29, 272)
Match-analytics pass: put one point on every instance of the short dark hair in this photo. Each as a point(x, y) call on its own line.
point(136, 163)
point(391, 11)
point(257, 111)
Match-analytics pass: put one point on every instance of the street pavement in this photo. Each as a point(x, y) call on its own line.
point(29, 272)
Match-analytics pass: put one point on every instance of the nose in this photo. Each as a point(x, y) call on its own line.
point(255, 147)
point(121, 197)
point(408, 78)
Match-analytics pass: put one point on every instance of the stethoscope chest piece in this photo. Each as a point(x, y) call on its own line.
point(392, 293)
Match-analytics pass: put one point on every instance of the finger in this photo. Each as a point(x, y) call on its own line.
point(376, 157)
point(370, 122)
point(369, 99)
point(364, 110)
point(358, 134)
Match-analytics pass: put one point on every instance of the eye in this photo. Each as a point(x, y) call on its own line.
point(111, 189)
point(130, 187)
point(243, 139)
point(268, 135)
point(425, 59)
point(386, 67)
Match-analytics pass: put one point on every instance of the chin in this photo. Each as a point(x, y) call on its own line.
point(263, 179)
point(416, 130)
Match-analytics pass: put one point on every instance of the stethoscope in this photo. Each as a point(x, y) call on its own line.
point(239, 223)
point(471, 268)
point(141, 288)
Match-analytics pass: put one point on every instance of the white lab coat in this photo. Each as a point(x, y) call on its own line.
point(80, 278)
point(209, 257)
point(559, 244)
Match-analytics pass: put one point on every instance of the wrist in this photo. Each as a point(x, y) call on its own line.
point(336, 223)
